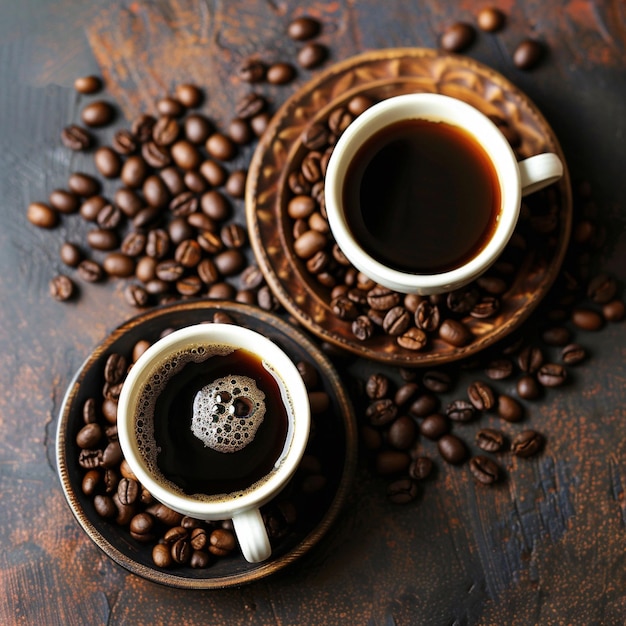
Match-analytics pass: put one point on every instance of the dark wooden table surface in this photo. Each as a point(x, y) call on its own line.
point(546, 546)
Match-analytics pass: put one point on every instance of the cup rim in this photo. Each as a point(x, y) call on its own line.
point(441, 108)
point(220, 506)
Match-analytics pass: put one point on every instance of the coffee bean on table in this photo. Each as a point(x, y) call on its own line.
point(402, 433)
point(312, 55)
point(124, 142)
point(61, 288)
point(573, 354)
point(102, 239)
point(76, 138)
point(63, 201)
point(98, 113)
point(434, 426)
point(509, 408)
point(41, 215)
point(402, 491)
point(134, 171)
point(188, 95)
point(425, 404)
point(528, 54)
point(481, 396)
point(220, 147)
point(87, 84)
point(457, 37)
point(118, 264)
point(70, 254)
point(90, 271)
point(303, 28)
point(490, 440)
point(452, 449)
point(83, 184)
point(251, 71)
point(280, 73)
point(381, 412)
point(490, 19)
point(107, 162)
point(614, 311)
point(526, 443)
point(421, 467)
point(552, 375)
point(499, 369)
point(484, 469)
point(587, 319)
point(530, 359)
point(528, 388)
point(602, 288)
point(461, 411)
point(377, 386)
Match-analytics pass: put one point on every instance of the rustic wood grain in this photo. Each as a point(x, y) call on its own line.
point(546, 546)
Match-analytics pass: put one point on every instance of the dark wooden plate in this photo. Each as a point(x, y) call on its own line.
point(337, 452)
point(382, 74)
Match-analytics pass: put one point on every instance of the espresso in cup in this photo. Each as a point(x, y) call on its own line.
point(423, 192)
point(214, 419)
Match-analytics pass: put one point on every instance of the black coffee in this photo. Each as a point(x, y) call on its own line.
point(422, 197)
point(220, 423)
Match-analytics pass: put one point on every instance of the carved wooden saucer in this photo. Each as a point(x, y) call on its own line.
point(333, 442)
point(543, 230)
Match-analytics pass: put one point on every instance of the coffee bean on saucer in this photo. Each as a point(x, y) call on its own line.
point(528, 54)
point(457, 37)
point(573, 354)
point(528, 388)
point(552, 375)
point(509, 408)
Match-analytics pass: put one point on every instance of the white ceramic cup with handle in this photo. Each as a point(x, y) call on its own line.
point(514, 180)
point(149, 376)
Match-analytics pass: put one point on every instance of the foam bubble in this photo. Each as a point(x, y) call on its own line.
point(228, 412)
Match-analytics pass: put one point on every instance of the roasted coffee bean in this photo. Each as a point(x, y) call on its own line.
point(222, 542)
point(157, 243)
point(528, 388)
point(526, 443)
point(135, 295)
point(402, 491)
point(280, 73)
point(587, 319)
point(128, 201)
point(421, 468)
point(423, 405)
point(490, 19)
point(362, 328)
point(145, 269)
point(197, 128)
point(184, 204)
point(437, 381)
point(147, 217)
point(455, 333)
point(90, 482)
point(339, 120)
point(170, 106)
point(180, 229)
point(215, 205)
point(312, 168)
point(185, 155)
point(161, 555)
point(427, 316)
point(89, 436)
point(181, 551)
point(233, 236)
point(63, 201)
point(115, 368)
point(492, 285)
point(90, 459)
point(452, 449)
point(90, 208)
point(61, 288)
point(462, 301)
point(133, 244)
point(251, 71)
point(485, 308)
point(481, 396)
point(434, 426)
point(169, 270)
point(377, 386)
point(194, 181)
point(303, 28)
point(220, 147)
point(530, 359)
point(490, 440)
point(311, 55)
point(343, 308)
point(382, 298)
point(396, 321)
point(499, 369)
point(315, 137)
point(87, 84)
point(413, 339)
point(107, 162)
point(260, 122)
point(97, 113)
point(552, 375)
point(528, 54)
point(141, 527)
point(230, 262)
point(556, 336)
point(240, 131)
point(70, 254)
point(573, 354)
point(602, 288)
point(509, 408)
point(614, 311)
point(402, 433)
point(90, 271)
point(309, 243)
point(461, 411)
point(83, 184)
point(128, 490)
point(155, 156)
point(189, 286)
point(76, 138)
point(358, 104)
point(124, 142)
point(391, 462)
point(41, 215)
point(188, 95)
point(210, 242)
point(118, 264)
point(142, 127)
point(102, 239)
point(381, 412)
point(457, 37)
point(484, 469)
point(235, 184)
point(109, 217)
point(188, 253)
point(134, 171)
point(104, 506)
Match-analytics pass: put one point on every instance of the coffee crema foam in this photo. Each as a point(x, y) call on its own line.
point(227, 413)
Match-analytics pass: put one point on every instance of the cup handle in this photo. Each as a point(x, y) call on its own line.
point(252, 535)
point(539, 171)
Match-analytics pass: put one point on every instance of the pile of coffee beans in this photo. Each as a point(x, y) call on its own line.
point(169, 229)
point(459, 36)
point(174, 539)
point(477, 413)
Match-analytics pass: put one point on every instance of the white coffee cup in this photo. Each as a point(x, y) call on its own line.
point(515, 180)
point(241, 506)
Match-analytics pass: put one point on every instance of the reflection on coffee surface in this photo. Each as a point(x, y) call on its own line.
point(422, 197)
point(212, 420)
